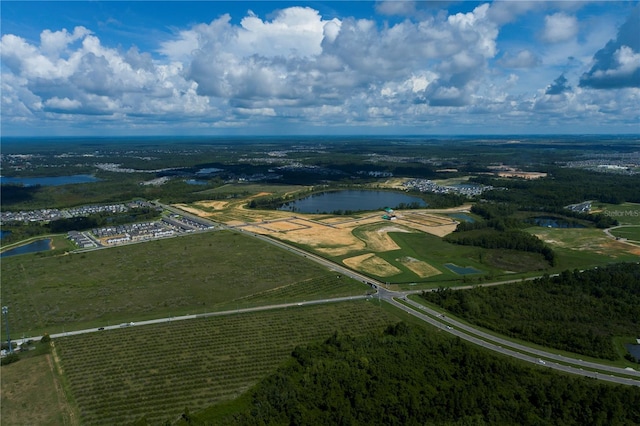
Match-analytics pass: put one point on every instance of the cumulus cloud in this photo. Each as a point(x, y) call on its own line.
point(73, 71)
point(297, 66)
point(617, 65)
point(522, 59)
point(65, 104)
point(396, 7)
point(559, 27)
point(506, 11)
point(331, 60)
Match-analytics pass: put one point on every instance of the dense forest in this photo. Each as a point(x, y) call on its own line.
point(499, 229)
point(579, 311)
point(411, 376)
point(511, 240)
point(563, 186)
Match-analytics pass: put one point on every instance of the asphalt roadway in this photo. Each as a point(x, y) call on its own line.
point(542, 358)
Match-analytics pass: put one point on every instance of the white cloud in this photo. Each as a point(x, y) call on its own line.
point(52, 43)
point(559, 27)
point(67, 104)
point(522, 59)
point(268, 112)
point(299, 67)
point(616, 65)
point(396, 7)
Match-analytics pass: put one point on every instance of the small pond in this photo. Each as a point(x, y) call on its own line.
point(462, 216)
point(352, 200)
point(554, 222)
point(49, 181)
point(634, 350)
point(4, 233)
point(460, 270)
point(34, 247)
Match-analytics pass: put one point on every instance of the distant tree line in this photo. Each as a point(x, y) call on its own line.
point(563, 186)
point(499, 231)
point(512, 239)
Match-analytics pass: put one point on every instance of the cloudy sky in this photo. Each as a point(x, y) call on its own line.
point(309, 67)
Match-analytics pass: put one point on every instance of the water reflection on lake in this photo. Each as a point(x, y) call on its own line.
point(34, 247)
point(634, 350)
point(466, 270)
point(48, 181)
point(463, 217)
point(351, 200)
point(554, 222)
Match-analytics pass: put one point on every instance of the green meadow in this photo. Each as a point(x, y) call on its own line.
point(625, 213)
point(185, 275)
point(631, 233)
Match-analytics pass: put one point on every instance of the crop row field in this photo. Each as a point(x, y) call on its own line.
point(185, 275)
point(119, 376)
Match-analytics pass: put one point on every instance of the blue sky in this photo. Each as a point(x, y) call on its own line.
point(311, 67)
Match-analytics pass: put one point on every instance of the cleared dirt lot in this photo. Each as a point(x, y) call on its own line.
point(328, 234)
point(371, 264)
point(418, 267)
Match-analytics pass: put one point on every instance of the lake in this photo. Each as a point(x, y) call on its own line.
point(48, 181)
point(34, 247)
point(554, 222)
point(208, 171)
point(350, 200)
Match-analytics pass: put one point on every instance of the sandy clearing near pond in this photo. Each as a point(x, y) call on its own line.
point(323, 238)
point(192, 210)
point(418, 267)
point(371, 264)
point(216, 205)
point(379, 240)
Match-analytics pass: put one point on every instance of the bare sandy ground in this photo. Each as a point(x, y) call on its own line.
point(418, 267)
point(372, 264)
point(332, 235)
point(216, 205)
point(379, 240)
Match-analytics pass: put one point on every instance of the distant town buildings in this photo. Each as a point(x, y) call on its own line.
point(584, 207)
point(511, 172)
point(168, 226)
point(426, 185)
point(48, 215)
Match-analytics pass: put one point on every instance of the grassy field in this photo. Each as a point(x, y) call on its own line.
point(579, 248)
point(119, 376)
point(186, 275)
point(631, 233)
point(32, 394)
point(625, 214)
point(254, 188)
